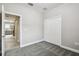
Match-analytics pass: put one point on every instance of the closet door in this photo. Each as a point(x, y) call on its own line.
point(52, 32)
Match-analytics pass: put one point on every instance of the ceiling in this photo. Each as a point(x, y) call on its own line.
point(43, 7)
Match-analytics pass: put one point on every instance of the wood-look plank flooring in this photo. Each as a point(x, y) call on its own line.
point(41, 49)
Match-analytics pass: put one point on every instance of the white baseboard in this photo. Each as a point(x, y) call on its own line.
point(51, 42)
point(32, 43)
point(71, 49)
point(68, 48)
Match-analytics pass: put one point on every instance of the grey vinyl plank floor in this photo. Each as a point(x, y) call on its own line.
point(40, 49)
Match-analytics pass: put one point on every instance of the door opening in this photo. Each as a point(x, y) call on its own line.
point(12, 31)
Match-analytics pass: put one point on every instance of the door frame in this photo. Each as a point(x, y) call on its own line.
point(20, 23)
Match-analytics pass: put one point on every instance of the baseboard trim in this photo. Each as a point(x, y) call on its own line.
point(73, 50)
point(51, 42)
point(31, 43)
point(68, 48)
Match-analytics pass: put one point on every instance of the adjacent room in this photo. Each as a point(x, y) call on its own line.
point(40, 29)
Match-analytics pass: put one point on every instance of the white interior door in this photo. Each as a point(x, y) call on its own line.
point(52, 32)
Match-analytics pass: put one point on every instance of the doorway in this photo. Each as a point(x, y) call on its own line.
point(11, 31)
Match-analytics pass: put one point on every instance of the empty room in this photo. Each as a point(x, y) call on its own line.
point(40, 29)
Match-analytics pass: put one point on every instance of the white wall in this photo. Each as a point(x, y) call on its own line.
point(0, 8)
point(31, 22)
point(70, 24)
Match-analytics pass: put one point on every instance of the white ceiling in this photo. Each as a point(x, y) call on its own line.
point(41, 6)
